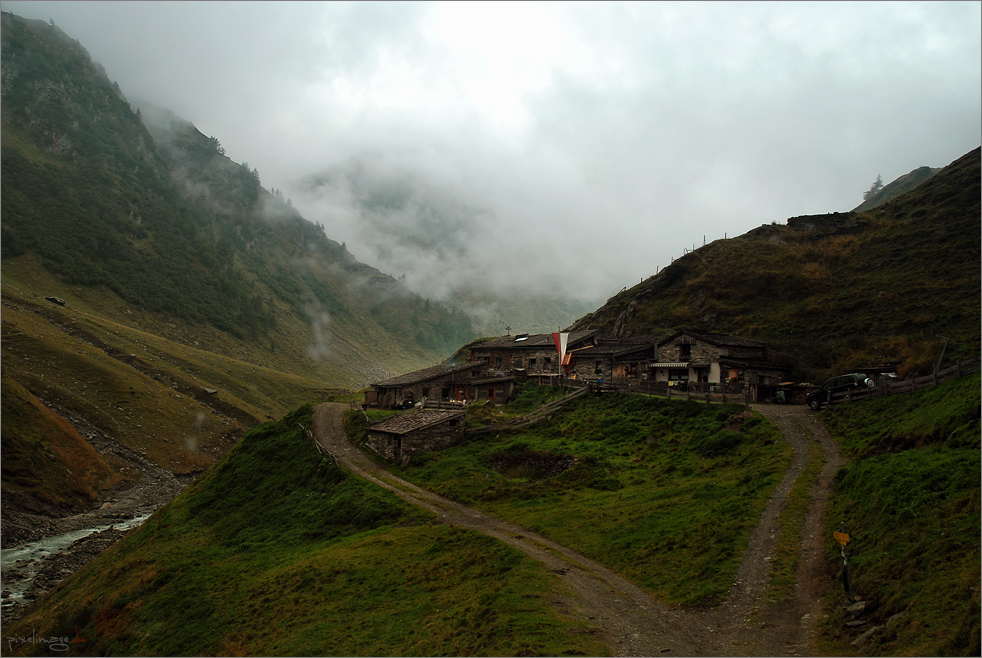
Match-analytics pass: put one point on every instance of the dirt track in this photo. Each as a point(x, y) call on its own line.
point(631, 621)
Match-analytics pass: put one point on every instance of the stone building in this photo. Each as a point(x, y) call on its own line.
point(704, 361)
point(610, 360)
point(527, 354)
point(425, 429)
point(444, 383)
point(434, 383)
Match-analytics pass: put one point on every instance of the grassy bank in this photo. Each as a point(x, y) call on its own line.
point(277, 551)
point(664, 492)
point(910, 502)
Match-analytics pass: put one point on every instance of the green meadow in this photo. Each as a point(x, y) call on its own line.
point(909, 499)
point(277, 551)
point(665, 492)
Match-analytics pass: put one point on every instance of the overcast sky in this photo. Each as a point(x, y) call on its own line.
point(594, 141)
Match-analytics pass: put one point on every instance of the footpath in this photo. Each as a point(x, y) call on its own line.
point(629, 619)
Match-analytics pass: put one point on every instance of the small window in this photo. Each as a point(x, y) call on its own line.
point(685, 352)
point(491, 393)
point(532, 362)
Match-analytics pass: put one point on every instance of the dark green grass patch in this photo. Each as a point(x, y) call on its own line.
point(277, 551)
point(659, 490)
point(913, 515)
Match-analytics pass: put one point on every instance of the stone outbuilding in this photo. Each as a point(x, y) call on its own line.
point(425, 429)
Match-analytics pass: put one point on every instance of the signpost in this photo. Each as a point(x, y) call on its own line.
point(843, 539)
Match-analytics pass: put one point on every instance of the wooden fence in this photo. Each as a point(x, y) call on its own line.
point(540, 413)
point(884, 388)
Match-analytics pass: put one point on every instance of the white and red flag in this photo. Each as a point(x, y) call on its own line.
point(560, 339)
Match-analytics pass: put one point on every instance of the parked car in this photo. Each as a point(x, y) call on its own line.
point(836, 385)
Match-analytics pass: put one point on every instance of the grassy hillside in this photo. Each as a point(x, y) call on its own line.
point(136, 388)
point(277, 551)
point(180, 273)
point(903, 184)
point(664, 492)
point(46, 463)
point(166, 224)
point(910, 501)
point(888, 288)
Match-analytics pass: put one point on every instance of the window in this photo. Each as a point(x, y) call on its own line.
point(685, 352)
point(491, 392)
point(532, 362)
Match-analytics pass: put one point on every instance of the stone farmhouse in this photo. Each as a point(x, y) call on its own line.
point(425, 429)
point(529, 355)
point(612, 360)
point(444, 383)
point(705, 362)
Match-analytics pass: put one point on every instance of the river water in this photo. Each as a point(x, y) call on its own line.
point(19, 565)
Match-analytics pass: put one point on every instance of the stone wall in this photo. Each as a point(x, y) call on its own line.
point(699, 352)
point(532, 360)
point(836, 222)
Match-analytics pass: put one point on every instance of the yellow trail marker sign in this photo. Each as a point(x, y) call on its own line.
point(841, 537)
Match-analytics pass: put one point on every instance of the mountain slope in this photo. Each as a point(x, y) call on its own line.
point(193, 302)
point(838, 291)
point(448, 247)
point(903, 184)
point(177, 228)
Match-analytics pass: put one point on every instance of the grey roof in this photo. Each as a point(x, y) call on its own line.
point(714, 339)
point(614, 348)
point(415, 420)
point(531, 340)
point(433, 372)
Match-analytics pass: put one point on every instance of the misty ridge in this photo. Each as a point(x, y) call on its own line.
point(404, 221)
point(423, 226)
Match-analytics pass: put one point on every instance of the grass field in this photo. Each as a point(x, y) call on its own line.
point(277, 551)
point(664, 492)
point(909, 499)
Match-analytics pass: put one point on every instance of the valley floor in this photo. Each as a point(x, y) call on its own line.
point(43, 567)
point(748, 622)
point(629, 619)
